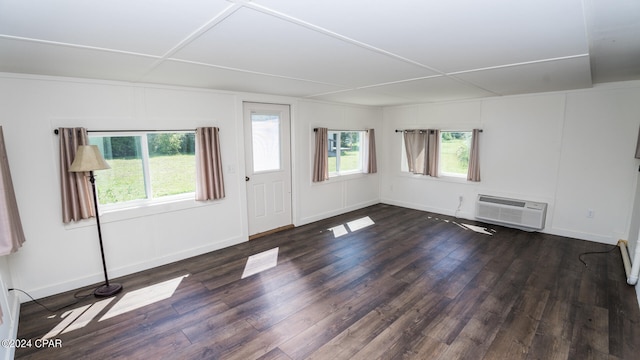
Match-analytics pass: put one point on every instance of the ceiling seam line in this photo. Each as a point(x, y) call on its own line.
point(568, 57)
point(452, 75)
point(337, 36)
point(254, 72)
point(224, 14)
point(327, 32)
point(77, 46)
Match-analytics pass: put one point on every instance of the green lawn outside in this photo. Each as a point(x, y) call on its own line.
point(449, 156)
point(170, 175)
point(176, 174)
point(349, 160)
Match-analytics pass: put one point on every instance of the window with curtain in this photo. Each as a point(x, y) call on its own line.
point(421, 149)
point(345, 152)
point(452, 154)
point(146, 167)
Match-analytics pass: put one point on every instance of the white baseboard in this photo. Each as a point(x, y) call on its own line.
point(449, 212)
point(335, 212)
point(76, 283)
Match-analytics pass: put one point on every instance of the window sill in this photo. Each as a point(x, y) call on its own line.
point(339, 178)
point(443, 178)
point(347, 176)
point(141, 210)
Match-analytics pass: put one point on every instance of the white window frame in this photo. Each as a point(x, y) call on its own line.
point(404, 168)
point(149, 201)
point(361, 150)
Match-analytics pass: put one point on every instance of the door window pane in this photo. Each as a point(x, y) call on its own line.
point(265, 138)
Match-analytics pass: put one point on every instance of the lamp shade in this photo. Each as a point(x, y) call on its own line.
point(88, 158)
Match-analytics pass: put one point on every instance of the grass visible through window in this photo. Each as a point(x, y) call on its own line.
point(348, 160)
point(454, 155)
point(172, 174)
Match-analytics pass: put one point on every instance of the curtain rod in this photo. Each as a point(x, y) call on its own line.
point(111, 131)
point(422, 130)
point(316, 130)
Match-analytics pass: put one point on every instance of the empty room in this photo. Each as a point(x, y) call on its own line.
point(282, 179)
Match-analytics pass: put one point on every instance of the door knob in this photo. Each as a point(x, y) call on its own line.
point(246, 178)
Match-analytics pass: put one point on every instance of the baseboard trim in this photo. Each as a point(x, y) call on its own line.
point(130, 269)
point(272, 231)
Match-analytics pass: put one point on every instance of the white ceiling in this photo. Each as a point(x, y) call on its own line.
point(373, 52)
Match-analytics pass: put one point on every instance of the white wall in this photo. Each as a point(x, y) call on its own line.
point(338, 194)
point(59, 257)
point(573, 150)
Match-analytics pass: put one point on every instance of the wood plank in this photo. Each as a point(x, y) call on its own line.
point(519, 328)
point(413, 285)
point(590, 333)
point(553, 336)
point(351, 340)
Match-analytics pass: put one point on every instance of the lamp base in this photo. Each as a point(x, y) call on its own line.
point(107, 290)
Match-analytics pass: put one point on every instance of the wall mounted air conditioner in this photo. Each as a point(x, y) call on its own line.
point(520, 214)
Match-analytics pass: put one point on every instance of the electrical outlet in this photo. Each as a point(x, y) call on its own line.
point(590, 213)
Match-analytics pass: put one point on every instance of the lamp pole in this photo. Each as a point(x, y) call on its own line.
point(106, 289)
point(88, 159)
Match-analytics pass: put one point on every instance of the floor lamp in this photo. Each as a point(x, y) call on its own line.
point(88, 159)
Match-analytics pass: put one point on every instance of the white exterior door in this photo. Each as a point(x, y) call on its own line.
point(268, 166)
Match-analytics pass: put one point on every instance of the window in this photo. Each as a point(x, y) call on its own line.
point(265, 140)
point(454, 153)
point(345, 152)
point(145, 167)
point(454, 150)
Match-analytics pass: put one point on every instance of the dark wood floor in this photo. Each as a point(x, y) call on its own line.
point(414, 285)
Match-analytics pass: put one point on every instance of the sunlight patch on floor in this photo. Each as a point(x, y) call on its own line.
point(88, 315)
point(260, 262)
point(362, 223)
point(143, 297)
point(353, 226)
point(339, 231)
point(80, 317)
point(69, 317)
point(478, 229)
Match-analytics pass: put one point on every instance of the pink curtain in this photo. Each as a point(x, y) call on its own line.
point(371, 161)
point(11, 232)
point(209, 177)
point(433, 152)
point(77, 200)
point(473, 173)
point(422, 151)
point(321, 156)
point(415, 145)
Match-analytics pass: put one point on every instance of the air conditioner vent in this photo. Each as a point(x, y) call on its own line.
point(502, 201)
point(521, 214)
